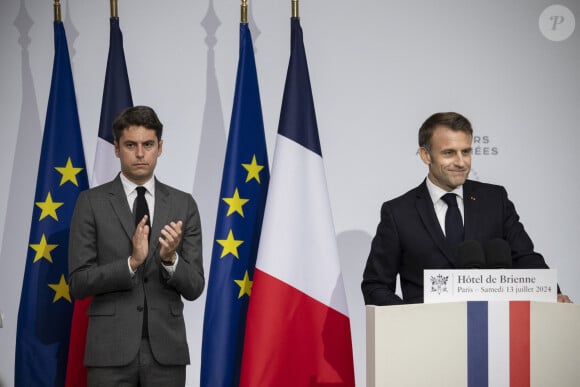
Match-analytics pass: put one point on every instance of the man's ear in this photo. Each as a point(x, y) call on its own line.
point(116, 145)
point(425, 155)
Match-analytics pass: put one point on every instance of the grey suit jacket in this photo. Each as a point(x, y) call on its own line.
point(100, 244)
point(409, 239)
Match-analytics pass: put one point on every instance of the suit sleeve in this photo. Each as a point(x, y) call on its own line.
point(89, 274)
point(188, 278)
point(523, 254)
point(380, 274)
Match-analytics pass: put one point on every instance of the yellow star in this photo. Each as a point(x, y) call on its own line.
point(48, 208)
point(43, 250)
point(69, 173)
point(235, 204)
point(245, 285)
point(253, 170)
point(60, 290)
point(230, 245)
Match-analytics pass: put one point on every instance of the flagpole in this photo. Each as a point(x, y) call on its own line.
point(57, 16)
point(244, 12)
point(114, 9)
point(295, 9)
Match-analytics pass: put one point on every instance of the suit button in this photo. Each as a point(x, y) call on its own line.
point(145, 279)
point(140, 308)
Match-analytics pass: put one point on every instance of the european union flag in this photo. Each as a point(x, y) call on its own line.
point(237, 234)
point(44, 317)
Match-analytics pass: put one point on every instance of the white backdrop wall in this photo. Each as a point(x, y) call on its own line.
point(378, 69)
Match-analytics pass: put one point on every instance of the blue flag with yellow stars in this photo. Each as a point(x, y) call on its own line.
point(237, 234)
point(44, 317)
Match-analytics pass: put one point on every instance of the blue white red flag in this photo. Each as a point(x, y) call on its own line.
point(116, 97)
point(298, 329)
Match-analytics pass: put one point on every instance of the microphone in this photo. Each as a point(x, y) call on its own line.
point(470, 255)
point(498, 254)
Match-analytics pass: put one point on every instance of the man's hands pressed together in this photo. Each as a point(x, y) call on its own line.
point(169, 240)
point(140, 244)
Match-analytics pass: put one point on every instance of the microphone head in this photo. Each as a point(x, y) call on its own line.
point(498, 254)
point(470, 255)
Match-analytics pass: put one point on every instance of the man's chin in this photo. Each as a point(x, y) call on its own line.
point(138, 178)
point(456, 182)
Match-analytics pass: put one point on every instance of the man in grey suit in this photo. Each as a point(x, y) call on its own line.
point(411, 235)
point(136, 270)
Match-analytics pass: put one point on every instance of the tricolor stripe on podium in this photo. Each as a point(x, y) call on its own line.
point(458, 344)
point(498, 344)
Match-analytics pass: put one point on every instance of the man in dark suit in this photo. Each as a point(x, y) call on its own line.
point(136, 270)
point(411, 234)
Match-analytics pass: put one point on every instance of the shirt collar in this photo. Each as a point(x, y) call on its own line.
point(129, 186)
point(437, 192)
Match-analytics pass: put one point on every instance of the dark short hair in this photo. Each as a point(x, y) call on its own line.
point(451, 120)
point(137, 116)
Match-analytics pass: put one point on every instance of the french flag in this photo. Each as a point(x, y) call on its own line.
point(297, 329)
point(116, 97)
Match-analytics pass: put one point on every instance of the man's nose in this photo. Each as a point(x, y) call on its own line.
point(460, 159)
point(139, 151)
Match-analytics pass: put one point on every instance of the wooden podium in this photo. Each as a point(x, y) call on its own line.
point(433, 345)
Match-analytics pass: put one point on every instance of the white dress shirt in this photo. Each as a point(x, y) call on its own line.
point(439, 204)
point(130, 189)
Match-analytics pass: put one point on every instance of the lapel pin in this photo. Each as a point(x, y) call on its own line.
point(472, 197)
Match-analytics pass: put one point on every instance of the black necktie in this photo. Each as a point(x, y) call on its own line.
point(141, 208)
point(453, 224)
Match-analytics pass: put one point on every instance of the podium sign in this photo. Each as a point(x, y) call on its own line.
point(490, 285)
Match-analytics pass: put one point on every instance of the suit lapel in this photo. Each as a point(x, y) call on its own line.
point(162, 205)
point(120, 206)
point(470, 210)
point(427, 213)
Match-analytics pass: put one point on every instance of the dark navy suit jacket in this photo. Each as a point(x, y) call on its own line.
point(409, 239)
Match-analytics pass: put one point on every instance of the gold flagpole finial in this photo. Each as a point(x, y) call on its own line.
point(114, 9)
point(244, 12)
point(57, 16)
point(295, 9)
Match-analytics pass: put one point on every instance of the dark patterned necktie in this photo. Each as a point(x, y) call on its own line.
point(454, 232)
